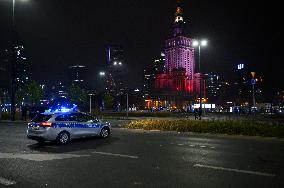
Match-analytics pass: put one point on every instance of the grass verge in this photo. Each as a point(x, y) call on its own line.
point(248, 128)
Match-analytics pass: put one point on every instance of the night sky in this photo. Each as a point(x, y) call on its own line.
point(60, 33)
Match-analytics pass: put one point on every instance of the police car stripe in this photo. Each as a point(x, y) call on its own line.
point(77, 125)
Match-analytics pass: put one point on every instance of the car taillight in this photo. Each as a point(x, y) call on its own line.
point(46, 124)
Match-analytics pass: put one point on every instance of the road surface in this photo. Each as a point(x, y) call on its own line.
point(135, 158)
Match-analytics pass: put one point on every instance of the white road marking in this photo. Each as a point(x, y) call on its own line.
point(192, 145)
point(181, 144)
point(234, 170)
point(7, 182)
point(202, 146)
point(39, 157)
point(116, 155)
point(212, 147)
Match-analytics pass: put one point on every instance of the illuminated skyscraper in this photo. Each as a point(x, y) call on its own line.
point(77, 74)
point(21, 65)
point(179, 59)
point(4, 70)
point(116, 70)
point(179, 51)
point(179, 83)
point(150, 73)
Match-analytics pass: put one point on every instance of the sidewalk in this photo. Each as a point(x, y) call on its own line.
point(11, 122)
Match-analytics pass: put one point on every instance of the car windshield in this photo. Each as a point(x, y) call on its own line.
point(41, 118)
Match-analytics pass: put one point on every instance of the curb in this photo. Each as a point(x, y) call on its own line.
point(13, 122)
point(208, 134)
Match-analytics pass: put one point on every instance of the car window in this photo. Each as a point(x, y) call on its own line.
point(41, 118)
point(66, 117)
point(84, 118)
point(75, 117)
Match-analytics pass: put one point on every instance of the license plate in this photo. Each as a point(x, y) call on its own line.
point(36, 128)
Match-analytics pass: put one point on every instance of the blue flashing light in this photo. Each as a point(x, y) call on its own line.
point(47, 111)
point(64, 109)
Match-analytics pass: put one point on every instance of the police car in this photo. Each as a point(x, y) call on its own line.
point(63, 126)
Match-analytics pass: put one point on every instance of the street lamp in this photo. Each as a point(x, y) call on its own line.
point(102, 73)
point(127, 104)
point(116, 63)
point(199, 44)
point(14, 5)
point(253, 82)
point(91, 94)
point(13, 68)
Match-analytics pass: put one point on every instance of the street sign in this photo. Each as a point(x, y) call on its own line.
point(253, 81)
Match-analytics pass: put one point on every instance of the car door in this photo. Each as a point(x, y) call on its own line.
point(68, 122)
point(92, 124)
point(83, 123)
point(81, 127)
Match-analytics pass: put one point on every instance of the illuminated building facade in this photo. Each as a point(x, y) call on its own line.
point(116, 70)
point(157, 67)
point(21, 66)
point(4, 70)
point(243, 87)
point(179, 83)
point(58, 91)
point(179, 60)
point(77, 74)
point(217, 90)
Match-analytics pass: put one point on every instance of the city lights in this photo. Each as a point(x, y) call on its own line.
point(195, 43)
point(204, 43)
point(116, 63)
point(102, 73)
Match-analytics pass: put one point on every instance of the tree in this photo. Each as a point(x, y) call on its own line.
point(34, 92)
point(78, 95)
point(108, 100)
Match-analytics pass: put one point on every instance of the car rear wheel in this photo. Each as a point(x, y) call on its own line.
point(63, 138)
point(105, 132)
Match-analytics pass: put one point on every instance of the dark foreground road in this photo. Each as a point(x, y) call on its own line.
point(141, 159)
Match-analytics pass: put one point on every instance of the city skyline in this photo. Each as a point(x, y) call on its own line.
point(59, 35)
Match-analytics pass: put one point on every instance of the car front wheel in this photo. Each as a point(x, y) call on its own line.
point(105, 132)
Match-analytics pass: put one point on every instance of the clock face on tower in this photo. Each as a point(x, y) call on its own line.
point(179, 18)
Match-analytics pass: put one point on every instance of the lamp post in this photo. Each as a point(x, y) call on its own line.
point(91, 94)
point(199, 44)
point(13, 68)
point(253, 82)
point(127, 105)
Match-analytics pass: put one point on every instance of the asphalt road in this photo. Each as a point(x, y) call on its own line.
point(134, 158)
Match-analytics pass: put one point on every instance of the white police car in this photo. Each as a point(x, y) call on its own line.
point(65, 126)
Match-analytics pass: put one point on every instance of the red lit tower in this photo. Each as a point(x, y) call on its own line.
point(179, 59)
